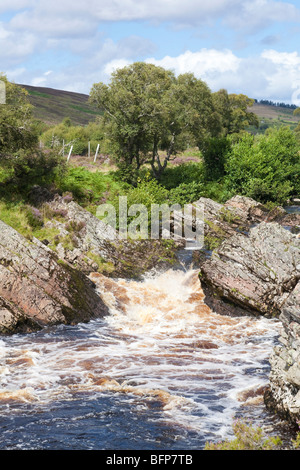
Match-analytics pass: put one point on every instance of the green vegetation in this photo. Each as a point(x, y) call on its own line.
point(150, 115)
point(64, 135)
point(169, 140)
point(266, 168)
point(247, 437)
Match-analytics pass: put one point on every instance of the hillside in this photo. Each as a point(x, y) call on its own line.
point(52, 106)
point(274, 116)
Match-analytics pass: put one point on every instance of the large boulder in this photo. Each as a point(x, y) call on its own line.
point(39, 289)
point(252, 274)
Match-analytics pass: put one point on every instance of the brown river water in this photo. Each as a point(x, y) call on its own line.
point(161, 371)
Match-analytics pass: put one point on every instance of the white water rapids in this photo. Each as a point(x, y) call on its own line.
point(160, 343)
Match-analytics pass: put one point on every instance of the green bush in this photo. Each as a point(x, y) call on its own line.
point(186, 193)
point(264, 167)
point(76, 136)
point(184, 173)
point(87, 187)
point(247, 437)
point(25, 169)
point(214, 155)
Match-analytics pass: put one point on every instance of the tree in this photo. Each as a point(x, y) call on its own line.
point(17, 129)
point(151, 114)
point(134, 109)
point(22, 163)
point(296, 112)
point(234, 112)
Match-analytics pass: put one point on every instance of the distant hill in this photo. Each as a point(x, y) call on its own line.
point(274, 116)
point(52, 106)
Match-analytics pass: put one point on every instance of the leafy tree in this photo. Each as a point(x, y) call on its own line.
point(233, 110)
point(296, 112)
point(22, 163)
point(151, 114)
point(17, 129)
point(134, 109)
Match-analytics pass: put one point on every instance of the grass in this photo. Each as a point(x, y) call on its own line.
point(15, 216)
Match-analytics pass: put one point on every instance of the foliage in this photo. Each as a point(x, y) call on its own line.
point(233, 112)
point(264, 168)
point(87, 187)
point(28, 168)
point(186, 173)
point(67, 135)
point(136, 110)
point(186, 193)
point(148, 110)
point(214, 157)
point(16, 121)
point(151, 115)
point(147, 192)
point(247, 437)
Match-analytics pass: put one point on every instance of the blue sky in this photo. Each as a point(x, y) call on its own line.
point(249, 46)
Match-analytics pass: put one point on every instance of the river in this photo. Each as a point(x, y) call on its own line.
point(162, 371)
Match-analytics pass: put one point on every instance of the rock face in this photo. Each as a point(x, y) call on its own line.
point(37, 289)
point(238, 214)
point(93, 246)
point(254, 273)
point(283, 395)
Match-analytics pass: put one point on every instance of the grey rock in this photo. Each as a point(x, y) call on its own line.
point(252, 274)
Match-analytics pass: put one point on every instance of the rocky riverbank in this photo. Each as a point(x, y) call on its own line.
point(258, 272)
point(250, 265)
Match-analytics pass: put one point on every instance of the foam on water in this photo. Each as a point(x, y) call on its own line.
point(160, 344)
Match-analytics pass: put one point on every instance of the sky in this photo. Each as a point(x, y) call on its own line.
point(249, 46)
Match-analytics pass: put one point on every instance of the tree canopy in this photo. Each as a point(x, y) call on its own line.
point(150, 114)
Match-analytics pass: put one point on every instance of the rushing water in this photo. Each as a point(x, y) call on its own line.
point(162, 371)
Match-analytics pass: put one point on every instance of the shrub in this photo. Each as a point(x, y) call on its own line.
point(265, 167)
point(247, 437)
point(185, 173)
point(186, 193)
point(34, 217)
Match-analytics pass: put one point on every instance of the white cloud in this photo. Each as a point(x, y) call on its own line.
point(115, 65)
point(73, 32)
point(205, 63)
point(15, 47)
point(271, 75)
point(71, 17)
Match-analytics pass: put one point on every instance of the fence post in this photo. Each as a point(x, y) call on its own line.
point(96, 154)
point(89, 149)
point(70, 153)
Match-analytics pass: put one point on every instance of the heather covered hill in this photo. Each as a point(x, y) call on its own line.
point(52, 106)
